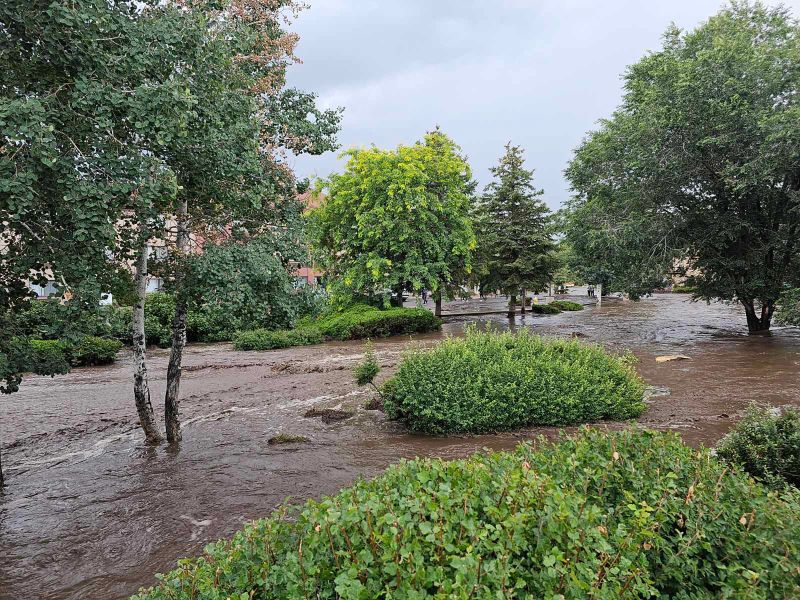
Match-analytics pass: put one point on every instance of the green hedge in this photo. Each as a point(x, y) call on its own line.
point(56, 356)
point(262, 339)
point(357, 322)
point(544, 309)
point(684, 289)
point(631, 514)
point(766, 445)
point(488, 382)
point(566, 305)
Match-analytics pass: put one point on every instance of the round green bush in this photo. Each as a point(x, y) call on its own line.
point(489, 382)
point(545, 309)
point(263, 339)
point(631, 514)
point(766, 445)
point(566, 305)
point(90, 350)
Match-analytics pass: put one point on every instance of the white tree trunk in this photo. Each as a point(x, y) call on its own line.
point(141, 388)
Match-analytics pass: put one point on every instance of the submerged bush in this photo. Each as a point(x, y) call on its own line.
point(263, 339)
point(488, 382)
point(631, 514)
point(766, 445)
point(566, 305)
point(49, 357)
point(545, 309)
point(363, 321)
point(90, 350)
point(56, 356)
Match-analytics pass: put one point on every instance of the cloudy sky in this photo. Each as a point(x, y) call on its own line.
point(539, 73)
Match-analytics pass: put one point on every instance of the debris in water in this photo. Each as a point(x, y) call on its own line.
point(671, 357)
point(328, 415)
point(287, 438)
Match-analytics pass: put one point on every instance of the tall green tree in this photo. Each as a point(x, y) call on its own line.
point(121, 122)
point(397, 220)
point(516, 248)
point(701, 163)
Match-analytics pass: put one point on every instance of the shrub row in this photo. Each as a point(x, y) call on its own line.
point(566, 305)
point(684, 289)
point(766, 444)
point(56, 356)
point(631, 514)
point(263, 339)
point(357, 322)
point(488, 382)
point(544, 309)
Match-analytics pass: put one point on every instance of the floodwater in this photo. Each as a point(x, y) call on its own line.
point(90, 512)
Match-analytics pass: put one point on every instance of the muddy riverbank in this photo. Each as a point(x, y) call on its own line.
point(90, 512)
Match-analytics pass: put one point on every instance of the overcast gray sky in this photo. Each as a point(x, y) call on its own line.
point(537, 72)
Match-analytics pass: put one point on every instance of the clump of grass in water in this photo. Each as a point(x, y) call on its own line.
point(287, 438)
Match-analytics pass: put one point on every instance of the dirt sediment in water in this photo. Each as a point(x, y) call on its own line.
point(90, 512)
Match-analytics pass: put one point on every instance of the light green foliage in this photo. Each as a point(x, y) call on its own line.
point(263, 339)
point(788, 312)
point(361, 321)
point(766, 445)
point(396, 220)
point(544, 309)
point(90, 350)
point(566, 305)
point(625, 515)
point(684, 289)
point(366, 371)
point(515, 246)
point(699, 163)
point(47, 357)
point(489, 382)
point(54, 357)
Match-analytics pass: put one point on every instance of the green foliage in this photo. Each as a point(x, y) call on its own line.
point(48, 357)
point(489, 382)
point(766, 445)
point(699, 163)
point(684, 289)
point(544, 309)
point(310, 301)
point(566, 305)
point(90, 350)
point(362, 321)
point(366, 371)
point(788, 312)
point(515, 246)
point(263, 339)
point(620, 515)
point(396, 220)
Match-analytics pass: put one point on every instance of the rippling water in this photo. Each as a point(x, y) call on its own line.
point(89, 512)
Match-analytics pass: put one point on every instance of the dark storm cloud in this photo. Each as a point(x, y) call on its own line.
point(538, 73)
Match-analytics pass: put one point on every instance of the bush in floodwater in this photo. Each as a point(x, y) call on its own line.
point(767, 445)
point(90, 350)
point(544, 309)
point(566, 305)
point(367, 370)
point(263, 339)
point(363, 321)
point(631, 514)
point(788, 312)
point(56, 356)
point(488, 382)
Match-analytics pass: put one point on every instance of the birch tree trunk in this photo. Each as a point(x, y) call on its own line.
point(141, 388)
point(171, 397)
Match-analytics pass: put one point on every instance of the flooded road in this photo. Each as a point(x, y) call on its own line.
point(89, 512)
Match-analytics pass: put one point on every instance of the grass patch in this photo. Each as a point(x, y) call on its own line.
point(490, 382)
point(566, 305)
point(684, 289)
point(631, 514)
point(767, 445)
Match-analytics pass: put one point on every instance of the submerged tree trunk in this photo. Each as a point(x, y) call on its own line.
point(758, 323)
point(522, 295)
point(141, 388)
point(171, 398)
point(512, 304)
point(2, 480)
point(437, 298)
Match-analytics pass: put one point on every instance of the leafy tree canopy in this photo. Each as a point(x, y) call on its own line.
point(701, 162)
point(396, 220)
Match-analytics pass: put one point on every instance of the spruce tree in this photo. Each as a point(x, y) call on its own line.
point(516, 249)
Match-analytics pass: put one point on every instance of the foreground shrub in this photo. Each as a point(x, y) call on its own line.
point(488, 382)
point(766, 445)
point(631, 514)
point(262, 339)
point(363, 321)
point(544, 309)
point(566, 305)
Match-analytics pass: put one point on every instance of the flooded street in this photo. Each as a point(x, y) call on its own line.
point(89, 512)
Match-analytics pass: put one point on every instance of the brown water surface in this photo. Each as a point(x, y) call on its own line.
point(90, 512)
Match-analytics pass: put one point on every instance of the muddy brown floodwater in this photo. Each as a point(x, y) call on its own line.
point(89, 512)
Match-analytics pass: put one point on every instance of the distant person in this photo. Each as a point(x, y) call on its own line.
point(424, 296)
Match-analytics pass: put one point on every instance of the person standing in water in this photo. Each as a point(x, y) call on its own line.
point(424, 296)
